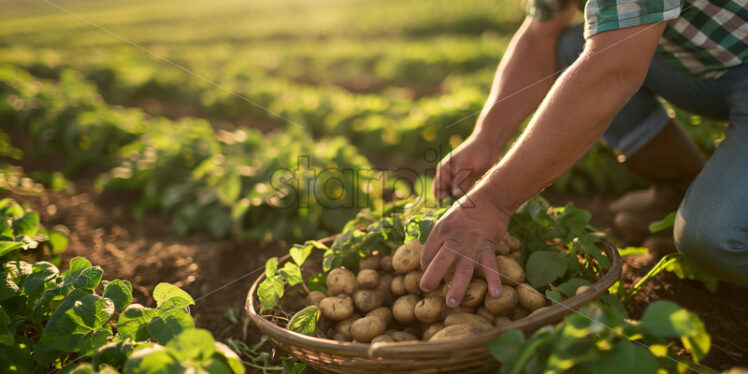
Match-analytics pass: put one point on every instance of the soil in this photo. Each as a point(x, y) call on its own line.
point(218, 272)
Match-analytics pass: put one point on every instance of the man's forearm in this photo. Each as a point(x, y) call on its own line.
point(570, 120)
point(522, 79)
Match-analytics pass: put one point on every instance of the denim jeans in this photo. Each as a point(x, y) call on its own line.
point(711, 226)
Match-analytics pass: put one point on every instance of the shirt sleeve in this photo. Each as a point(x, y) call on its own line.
point(544, 10)
point(606, 15)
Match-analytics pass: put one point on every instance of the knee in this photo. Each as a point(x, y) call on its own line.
point(714, 247)
point(569, 46)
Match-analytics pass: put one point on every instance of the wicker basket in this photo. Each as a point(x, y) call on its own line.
point(467, 355)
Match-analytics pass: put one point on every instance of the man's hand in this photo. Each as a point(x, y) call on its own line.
point(461, 168)
point(466, 235)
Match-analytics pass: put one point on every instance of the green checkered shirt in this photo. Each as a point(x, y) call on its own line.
point(702, 37)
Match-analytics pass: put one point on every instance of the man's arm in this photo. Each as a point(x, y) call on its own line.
point(523, 78)
point(569, 121)
point(576, 112)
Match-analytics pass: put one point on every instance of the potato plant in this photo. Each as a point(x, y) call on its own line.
point(74, 321)
point(368, 290)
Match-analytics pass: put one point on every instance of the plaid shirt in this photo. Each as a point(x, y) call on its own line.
point(702, 37)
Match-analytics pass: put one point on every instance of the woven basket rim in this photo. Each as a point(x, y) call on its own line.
point(410, 348)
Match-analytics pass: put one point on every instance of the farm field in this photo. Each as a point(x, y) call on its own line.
point(188, 142)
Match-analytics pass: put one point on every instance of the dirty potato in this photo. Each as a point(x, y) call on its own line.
point(341, 281)
point(454, 332)
point(367, 278)
point(430, 309)
point(336, 308)
point(315, 297)
point(398, 285)
point(431, 330)
point(365, 329)
point(503, 304)
point(368, 300)
point(467, 319)
point(404, 308)
point(383, 312)
point(412, 282)
point(407, 257)
point(474, 294)
point(529, 298)
point(509, 270)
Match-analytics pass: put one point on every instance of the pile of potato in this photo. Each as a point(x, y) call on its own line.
point(384, 303)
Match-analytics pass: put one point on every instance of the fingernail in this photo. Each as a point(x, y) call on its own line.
point(452, 302)
point(496, 292)
point(456, 192)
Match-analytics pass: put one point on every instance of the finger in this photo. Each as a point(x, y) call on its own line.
point(487, 260)
point(460, 181)
point(442, 180)
point(432, 245)
point(460, 281)
point(434, 273)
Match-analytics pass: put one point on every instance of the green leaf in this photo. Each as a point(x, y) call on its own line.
point(291, 273)
point(271, 267)
point(113, 354)
point(629, 251)
point(79, 315)
point(665, 319)
point(614, 302)
point(506, 347)
point(662, 224)
point(543, 267)
point(152, 359)
point(168, 324)
point(58, 241)
point(167, 292)
point(8, 287)
point(88, 278)
point(193, 345)
point(698, 342)
point(132, 322)
point(685, 269)
point(269, 291)
point(574, 219)
point(553, 294)
point(120, 292)
point(7, 333)
point(232, 359)
point(317, 282)
point(569, 288)
point(7, 246)
point(305, 321)
point(77, 265)
point(43, 272)
point(627, 357)
point(299, 253)
point(26, 225)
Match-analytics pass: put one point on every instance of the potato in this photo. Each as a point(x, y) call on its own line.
point(467, 319)
point(336, 308)
point(315, 297)
point(344, 326)
point(407, 257)
point(404, 308)
point(474, 294)
point(515, 255)
point(431, 330)
point(340, 337)
point(454, 332)
point(581, 290)
point(504, 304)
point(509, 271)
point(371, 262)
point(459, 309)
point(412, 282)
point(382, 339)
point(502, 248)
point(398, 286)
point(385, 281)
point(519, 313)
point(386, 263)
point(340, 281)
point(501, 321)
point(384, 313)
point(437, 292)
point(483, 312)
point(368, 300)
point(538, 311)
point(367, 278)
point(430, 309)
point(529, 298)
point(402, 336)
point(512, 242)
point(365, 329)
